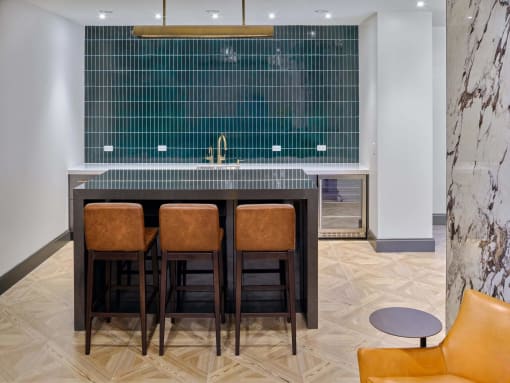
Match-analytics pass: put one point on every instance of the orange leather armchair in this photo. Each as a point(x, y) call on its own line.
point(477, 349)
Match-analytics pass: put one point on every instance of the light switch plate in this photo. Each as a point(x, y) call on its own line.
point(108, 148)
point(321, 148)
point(161, 148)
point(277, 148)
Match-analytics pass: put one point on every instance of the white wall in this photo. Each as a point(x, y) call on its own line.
point(439, 104)
point(41, 125)
point(368, 111)
point(400, 154)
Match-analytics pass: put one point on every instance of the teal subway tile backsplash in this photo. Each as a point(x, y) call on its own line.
point(298, 90)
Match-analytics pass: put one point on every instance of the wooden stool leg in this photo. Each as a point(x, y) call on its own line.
point(182, 267)
point(155, 276)
point(128, 271)
point(88, 311)
point(217, 301)
point(292, 298)
point(287, 291)
point(108, 292)
point(162, 304)
point(222, 285)
point(178, 282)
point(173, 285)
point(120, 265)
point(284, 277)
point(143, 309)
point(239, 271)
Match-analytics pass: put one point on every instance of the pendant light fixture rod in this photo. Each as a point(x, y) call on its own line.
point(164, 13)
point(244, 13)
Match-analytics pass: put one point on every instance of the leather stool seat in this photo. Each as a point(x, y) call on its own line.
point(266, 232)
point(265, 227)
point(116, 232)
point(190, 232)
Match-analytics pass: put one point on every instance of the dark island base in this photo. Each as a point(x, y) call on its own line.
point(226, 189)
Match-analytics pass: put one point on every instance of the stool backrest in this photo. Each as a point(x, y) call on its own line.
point(265, 227)
point(114, 227)
point(189, 227)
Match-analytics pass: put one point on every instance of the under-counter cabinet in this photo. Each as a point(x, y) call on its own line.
point(342, 206)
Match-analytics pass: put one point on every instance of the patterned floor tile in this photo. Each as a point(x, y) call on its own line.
point(38, 344)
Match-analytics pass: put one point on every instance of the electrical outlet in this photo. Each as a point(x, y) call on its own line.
point(277, 148)
point(161, 148)
point(108, 148)
point(321, 148)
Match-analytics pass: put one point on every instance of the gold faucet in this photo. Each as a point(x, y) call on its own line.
point(210, 157)
point(221, 139)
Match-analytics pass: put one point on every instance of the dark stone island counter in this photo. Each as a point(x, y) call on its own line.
point(225, 187)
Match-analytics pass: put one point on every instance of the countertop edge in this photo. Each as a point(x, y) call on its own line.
point(311, 169)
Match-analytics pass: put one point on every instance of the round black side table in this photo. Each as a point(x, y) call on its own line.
point(406, 322)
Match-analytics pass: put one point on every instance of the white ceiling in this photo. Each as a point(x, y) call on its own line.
point(193, 12)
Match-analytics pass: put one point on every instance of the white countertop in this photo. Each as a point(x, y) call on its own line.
point(310, 168)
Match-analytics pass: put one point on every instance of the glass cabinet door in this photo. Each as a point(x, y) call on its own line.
point(342, 206)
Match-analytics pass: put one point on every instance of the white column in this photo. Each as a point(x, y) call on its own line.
point(399, 148)
point(368, 111)
point(439, 104)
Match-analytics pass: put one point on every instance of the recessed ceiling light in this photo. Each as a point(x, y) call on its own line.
point(420, 4)
point(272, 15)
point(470, 17)
point(158, 16)
point(324, 12)
point(214, 13)
point(103, 14)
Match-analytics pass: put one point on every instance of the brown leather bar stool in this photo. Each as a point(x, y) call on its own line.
point(190, 232)
point(116, 232)
point(266, 232)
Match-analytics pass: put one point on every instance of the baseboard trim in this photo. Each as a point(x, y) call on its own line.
point(24, 267)
point(420, 245)
point(439, 219)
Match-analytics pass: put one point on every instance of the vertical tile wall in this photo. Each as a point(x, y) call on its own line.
point(298, 90)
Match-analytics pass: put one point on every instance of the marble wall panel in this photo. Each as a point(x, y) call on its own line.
point(478, 158)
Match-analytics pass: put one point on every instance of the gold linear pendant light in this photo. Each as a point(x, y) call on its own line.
point(202, 31)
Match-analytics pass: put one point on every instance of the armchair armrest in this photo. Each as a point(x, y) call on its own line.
point(384, 362)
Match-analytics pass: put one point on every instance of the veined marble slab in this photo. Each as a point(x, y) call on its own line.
point(478, 140)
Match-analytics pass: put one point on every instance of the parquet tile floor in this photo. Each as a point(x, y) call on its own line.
point(38, 344)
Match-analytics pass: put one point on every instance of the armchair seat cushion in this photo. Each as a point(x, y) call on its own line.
point(476, 350)
point(422, 379)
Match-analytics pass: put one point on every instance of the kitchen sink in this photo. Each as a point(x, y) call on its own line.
point(218, 166)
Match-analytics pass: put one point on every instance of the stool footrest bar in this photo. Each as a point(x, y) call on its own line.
point(263, 287)
point(254, 315)
point(189, 315)
point(261, 271)
point(196, 288)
